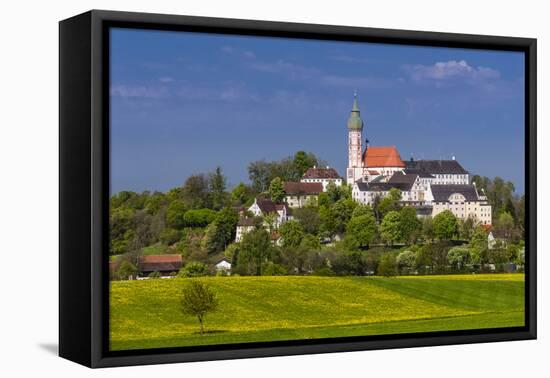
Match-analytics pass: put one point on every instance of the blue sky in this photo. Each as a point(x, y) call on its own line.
point(183, 103)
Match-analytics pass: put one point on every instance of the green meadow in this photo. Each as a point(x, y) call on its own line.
point(146, 314)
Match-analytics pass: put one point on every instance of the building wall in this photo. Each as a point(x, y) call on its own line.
point(480, 211)
point(448, 179)
point(242, 231)
point(355, 151)
point(385, 171)
point(295, 201)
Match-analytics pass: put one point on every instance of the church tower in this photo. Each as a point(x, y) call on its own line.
point(355, 148)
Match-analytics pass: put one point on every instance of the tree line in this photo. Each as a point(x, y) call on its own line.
point(332, 235)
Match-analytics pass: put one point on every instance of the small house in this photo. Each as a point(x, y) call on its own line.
point(223, 265)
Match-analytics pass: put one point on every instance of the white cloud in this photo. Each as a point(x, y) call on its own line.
point(166, 79)
point(355, 82)
point(451, 69)
point(138, 91)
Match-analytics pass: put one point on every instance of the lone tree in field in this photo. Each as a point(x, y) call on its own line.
point(198, 300)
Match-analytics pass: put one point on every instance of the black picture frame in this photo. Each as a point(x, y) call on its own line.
point(84, 186)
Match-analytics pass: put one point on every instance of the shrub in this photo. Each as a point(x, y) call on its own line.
point(170, 236)
point(272, 269)
point(458, 257)
point(193, 269)
point(406, 260)
point(154, 274)
point(387, 266)
point(324, 271)
point(126, 270)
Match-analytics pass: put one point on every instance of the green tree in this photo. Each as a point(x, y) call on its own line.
point(255, 250)
point(360, 231)
point(309, 218)
point(196, 192)
point(310, 242)
point(406, 260)
point(410, 226)
point(121, 224)
point(362, 210)
point(193, 269)
point(272, 269)
point(387, 266)
point(276, 190)
point(292, 233)
point(458, 257)
point(217, 183)
point(242, 194)
point(199, 217)
point(170, 236)
point(445, 225)
point(389, 203)
point(221, 232)
point(198, 300)
point(336, 193)
point(390, 228)
point(428, 232)
point(342, 210)
point(259, 174)
point(270, 221)
point(127, 270)
point(479, 246)
point(505, 225)
point(175, 214)
point(327, 227)
point(302, 162)
point(466, 228)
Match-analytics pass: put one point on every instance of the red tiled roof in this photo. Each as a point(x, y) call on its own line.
point(321, 173)
point(160, 263)
point(383, 157)
point(294, 188)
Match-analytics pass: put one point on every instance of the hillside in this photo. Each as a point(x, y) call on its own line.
point(145, 314)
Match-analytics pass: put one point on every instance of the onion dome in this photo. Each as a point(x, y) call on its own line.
point(355, 122)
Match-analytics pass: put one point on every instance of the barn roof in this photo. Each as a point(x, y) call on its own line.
point(160, 263)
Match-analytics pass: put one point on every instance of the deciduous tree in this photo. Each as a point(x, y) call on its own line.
point(198, 300)
point(390, 228)
point(445, 225)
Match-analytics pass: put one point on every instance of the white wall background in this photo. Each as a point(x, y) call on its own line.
point(29, 186)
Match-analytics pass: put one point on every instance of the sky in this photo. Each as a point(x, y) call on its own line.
point(184, 103)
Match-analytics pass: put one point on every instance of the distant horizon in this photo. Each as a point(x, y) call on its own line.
point(184, 103)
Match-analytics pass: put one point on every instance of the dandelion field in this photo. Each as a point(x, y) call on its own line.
point(146, 314)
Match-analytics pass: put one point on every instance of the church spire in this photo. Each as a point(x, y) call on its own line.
point(354, 121)
point(355, 107)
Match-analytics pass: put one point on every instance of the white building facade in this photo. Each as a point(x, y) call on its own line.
point(324, 176)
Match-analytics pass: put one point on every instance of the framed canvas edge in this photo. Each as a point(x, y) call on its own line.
point(100, 164)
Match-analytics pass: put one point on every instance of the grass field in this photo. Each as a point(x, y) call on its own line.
point(146, 314)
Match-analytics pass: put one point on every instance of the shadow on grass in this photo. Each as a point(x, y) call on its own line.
point(210, 332)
